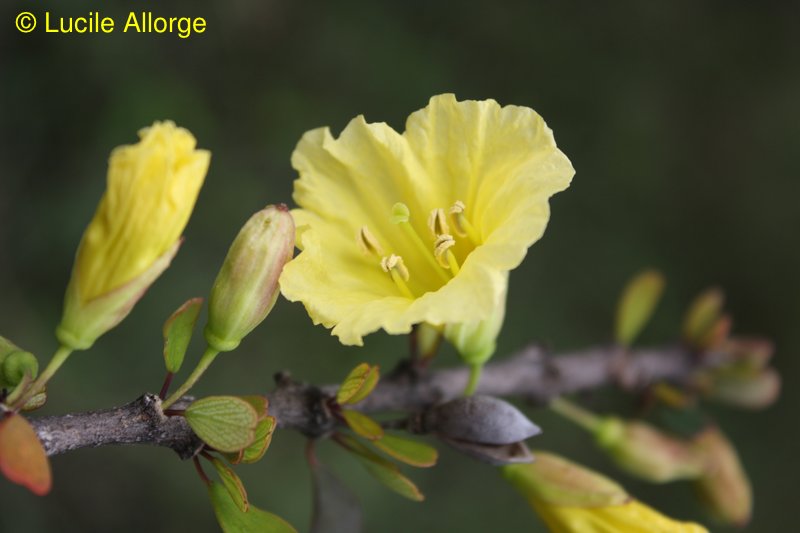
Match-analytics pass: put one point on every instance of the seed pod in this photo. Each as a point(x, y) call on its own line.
point(480, 419)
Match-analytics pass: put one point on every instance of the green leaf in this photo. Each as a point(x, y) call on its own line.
point(384, 471)
point(260, 404)
point(636, 305)
point(226, 423)
point(336, 508)
point(36, 401)
point(362, 424)
point(352, 383)
point(260, 444)
point(370, 380)
point(22, 457)
point(702, 315)
point(408, 451)
point(233, 520)
point(178, 332)
point(232, 484)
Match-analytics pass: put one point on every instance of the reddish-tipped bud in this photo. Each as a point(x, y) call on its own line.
point(724, 487)
point(647, 452)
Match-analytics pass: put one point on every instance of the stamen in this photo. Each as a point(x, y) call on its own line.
point(443, 253)
point(461, 223)
point(400, 216)
point(395, 267)
point(368, 243)
point(437, 223)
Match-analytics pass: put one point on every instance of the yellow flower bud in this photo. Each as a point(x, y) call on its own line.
point(247, 284)
point(151, 191)
point(572, 499)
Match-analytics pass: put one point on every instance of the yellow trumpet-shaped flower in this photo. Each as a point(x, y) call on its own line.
point(424, 226)
point(572, 499)
point(151, 191)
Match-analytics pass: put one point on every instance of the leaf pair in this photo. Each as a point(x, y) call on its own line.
point(235, 425)
point(358, 384)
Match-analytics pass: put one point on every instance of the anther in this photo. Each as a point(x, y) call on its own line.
point(443, 253)
point(437, 223)
point(368, 243)
point(394, 266)
point(401, 215)
point(395, 262)
point(461, 224)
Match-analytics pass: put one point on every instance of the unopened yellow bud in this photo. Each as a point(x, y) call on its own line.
point(151, 191)
point(476, 341)
point(246, 287)
point(570, 498)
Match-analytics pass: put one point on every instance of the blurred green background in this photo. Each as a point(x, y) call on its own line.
point(682, 119)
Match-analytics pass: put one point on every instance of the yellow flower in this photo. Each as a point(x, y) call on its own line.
point(572, 499)
point(151, 191)
point(421, 227)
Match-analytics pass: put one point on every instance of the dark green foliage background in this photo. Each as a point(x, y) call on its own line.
point(681, 118)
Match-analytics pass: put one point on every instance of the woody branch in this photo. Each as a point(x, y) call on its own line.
point(530, 374)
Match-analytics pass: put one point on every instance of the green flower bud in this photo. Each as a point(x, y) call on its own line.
point(247, 284)
point(476, 341)
point(15, 363)
point(647, 452)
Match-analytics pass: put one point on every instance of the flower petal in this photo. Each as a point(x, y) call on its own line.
point(502, 162)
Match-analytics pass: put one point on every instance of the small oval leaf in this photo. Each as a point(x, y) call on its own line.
point(702, 314)
point(408, 451)
point(232, 520)
point(352, 383)
point(178, 331)
point(362, 424)
point(370, 381)
point(226, 423)
point(636, 305)
point(259, 402)
point(22, 457)
point(36, 401)
point(384, 471)
point(260, 444)
point(232, 484)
